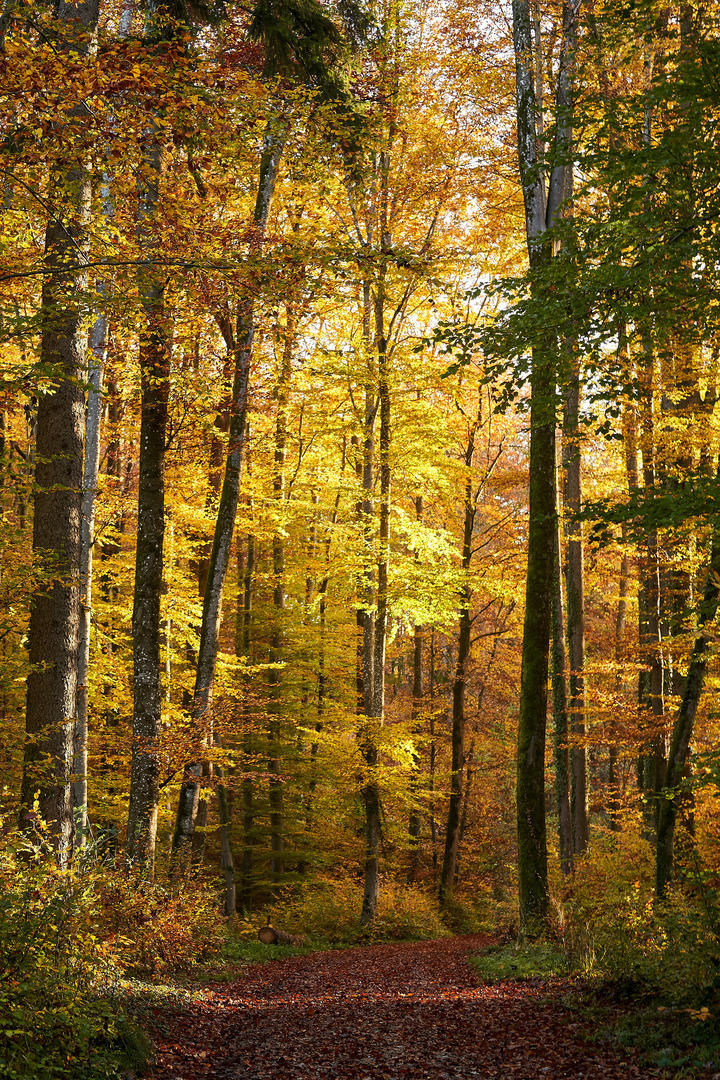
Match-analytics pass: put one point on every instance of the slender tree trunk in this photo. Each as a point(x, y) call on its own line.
point(574, 569)
point(433, 822)
point(452, 830)
point(322, 677)
point(652, 686)
point(276, 782)
point(201, 709)
point(55, 610)
point(98, 348)
point(155, 350)
point(560, 711)
point(418, 693)
point(243, 648)
point(668, 803)
point(620, 631)
point(376, 712)
point(469, 777)
point(147, 630)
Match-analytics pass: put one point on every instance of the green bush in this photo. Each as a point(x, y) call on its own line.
point(54, 1022)
point(614, 926)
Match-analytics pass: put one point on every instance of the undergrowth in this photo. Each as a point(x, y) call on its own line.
point(518, 960)
point(69, 939)
point(326, 911)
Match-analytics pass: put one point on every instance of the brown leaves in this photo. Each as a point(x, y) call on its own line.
point(386, 1012)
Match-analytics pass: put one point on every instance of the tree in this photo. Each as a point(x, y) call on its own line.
point(55, 616)
point(541, 215)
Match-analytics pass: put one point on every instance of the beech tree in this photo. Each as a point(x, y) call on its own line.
point(55, 614)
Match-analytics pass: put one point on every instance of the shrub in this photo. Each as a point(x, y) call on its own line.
point(156, 928)
point(477, 914)
point(53, 1020)
point(613, 926)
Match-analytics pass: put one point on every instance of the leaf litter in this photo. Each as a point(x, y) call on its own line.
point(408, 1011)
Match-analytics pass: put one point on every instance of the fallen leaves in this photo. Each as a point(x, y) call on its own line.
point(411, 1011)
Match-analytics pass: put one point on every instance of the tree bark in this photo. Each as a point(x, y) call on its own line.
point(561, 732)
point(155, 348)
point(275, 781)
point(98, 348)
point(55, 611)
point(669, 797)
point(376, 712)
point(452, 830)
point(574, 569)
point(418, 693)
point(540, 215)
point(243, 648)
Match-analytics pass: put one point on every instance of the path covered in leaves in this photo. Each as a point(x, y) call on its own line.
point(411, 1011)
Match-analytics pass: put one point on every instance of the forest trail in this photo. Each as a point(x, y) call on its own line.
point(409, 1011)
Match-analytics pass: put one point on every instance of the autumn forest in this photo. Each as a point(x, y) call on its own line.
point(360, 549)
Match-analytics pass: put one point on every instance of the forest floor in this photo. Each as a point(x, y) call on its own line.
point(408, 1011)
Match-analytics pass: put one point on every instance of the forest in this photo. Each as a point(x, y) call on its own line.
point(360, 537)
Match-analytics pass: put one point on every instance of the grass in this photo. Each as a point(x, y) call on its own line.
point(520, 960)
point(249, 951)
point(684, 1040)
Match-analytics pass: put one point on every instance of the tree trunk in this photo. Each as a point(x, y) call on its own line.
point(575, 607)
point(452, 830)
point(55, 611)
point(376, 711)
point(243, 648)
point(155, 346)
point(668, 804)
point(560, 712)
point(540, 215)
point(98, 348)
point(652, 688)
point(276, 782)
point(418, 693)
point(433, 751)
point(201, 708)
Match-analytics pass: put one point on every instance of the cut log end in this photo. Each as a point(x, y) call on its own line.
point(270, 936)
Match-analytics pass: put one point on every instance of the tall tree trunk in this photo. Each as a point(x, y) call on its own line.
point(243, 648)
point(452, 830)
point(155, 349)
point(418, 693)
point(652, 686)
point(201, 708)
point(55, 610)
point(540, 215)
point(322, 676)
point(668, 803)
point(433, 752)
point(375, 701)
point(620, 631)
point(98, 348)
point(275, 779)
point(574, 570)
point(561, 732)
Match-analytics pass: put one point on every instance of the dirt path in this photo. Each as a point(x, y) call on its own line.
point(387, 1012)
